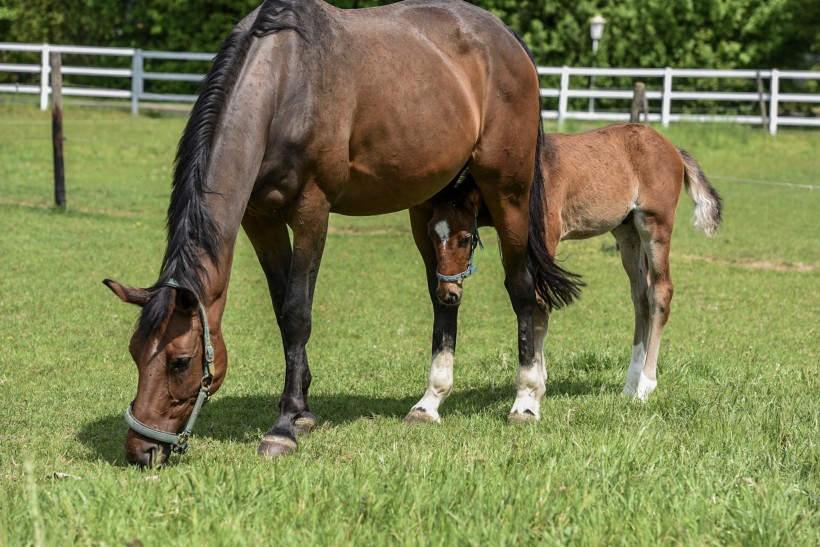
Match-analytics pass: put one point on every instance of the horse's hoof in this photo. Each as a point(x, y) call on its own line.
point(275, 446)
point(519, 418)
point(419, 416)
point(304, 423)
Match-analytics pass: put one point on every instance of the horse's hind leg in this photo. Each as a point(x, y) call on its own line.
point(510, 213)
point(634, 262)
point(655, 231)
point(445, 325)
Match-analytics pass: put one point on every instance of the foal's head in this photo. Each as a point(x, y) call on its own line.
point(453, 231)
point(178, 363)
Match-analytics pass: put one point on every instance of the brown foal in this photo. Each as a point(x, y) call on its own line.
point(622, 179)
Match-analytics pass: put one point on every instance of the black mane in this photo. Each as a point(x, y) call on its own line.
point(192, 233)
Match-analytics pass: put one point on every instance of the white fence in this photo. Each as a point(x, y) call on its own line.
point(659, 86)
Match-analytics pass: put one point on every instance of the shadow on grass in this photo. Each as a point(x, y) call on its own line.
point(234, 418)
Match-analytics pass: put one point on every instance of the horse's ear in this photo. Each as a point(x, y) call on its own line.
point(131, 295)
point(186, 300)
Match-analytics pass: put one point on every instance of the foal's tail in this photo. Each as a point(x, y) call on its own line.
point(708, 203)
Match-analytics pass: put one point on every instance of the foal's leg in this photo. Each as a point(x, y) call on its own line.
point(309, 221)
point(269, 237)
point(634, 262)
point(655, 231)
point(445, 327)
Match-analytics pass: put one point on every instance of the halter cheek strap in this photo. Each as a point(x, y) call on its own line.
point(179, 441)
point(470, 268)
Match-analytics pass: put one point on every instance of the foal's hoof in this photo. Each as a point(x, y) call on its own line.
point(304, 423)
point(521, 418)
point(420, 416)
point(275, 446)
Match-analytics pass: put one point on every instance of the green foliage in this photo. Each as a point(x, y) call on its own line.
point(639, 33)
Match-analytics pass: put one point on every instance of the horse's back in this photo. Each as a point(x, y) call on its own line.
point(598, 177)
point(399, 96)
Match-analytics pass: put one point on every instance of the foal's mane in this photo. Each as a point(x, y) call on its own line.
point(192, 233)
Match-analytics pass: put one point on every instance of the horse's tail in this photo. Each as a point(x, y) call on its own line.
point(708, 203)
point(554, 285)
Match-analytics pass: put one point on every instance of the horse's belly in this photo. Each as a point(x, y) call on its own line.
point(593, 218)
point(368, 193)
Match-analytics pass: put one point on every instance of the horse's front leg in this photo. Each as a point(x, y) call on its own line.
point(309, 222)
point(445, 326)
point(270, 239)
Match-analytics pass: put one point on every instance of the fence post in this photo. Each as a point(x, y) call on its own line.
point(763, 118)
point(774, 97)
point(44, 69)
point(666, 103)
point(562, 95)
point(638, 104)
point(57, 128)
point(136, 81)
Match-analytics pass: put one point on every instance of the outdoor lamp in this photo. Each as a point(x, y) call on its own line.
point(596, 30)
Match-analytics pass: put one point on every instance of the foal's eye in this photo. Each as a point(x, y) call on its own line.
point(178, 364)
point(464, 241)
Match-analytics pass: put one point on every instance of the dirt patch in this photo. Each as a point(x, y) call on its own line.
point(779, 267)
point(754, 265)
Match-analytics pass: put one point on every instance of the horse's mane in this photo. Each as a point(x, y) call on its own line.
point(192, 232)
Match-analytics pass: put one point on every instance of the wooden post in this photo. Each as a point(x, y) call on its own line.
point(639, 103)
point(763, 117)
point(57, 128)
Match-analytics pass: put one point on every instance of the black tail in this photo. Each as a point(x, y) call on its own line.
point(554, 286)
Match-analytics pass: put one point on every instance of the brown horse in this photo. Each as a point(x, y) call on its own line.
point(309, 110)
point(622, 179)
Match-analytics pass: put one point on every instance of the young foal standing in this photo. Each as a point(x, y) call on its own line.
point(623, 179)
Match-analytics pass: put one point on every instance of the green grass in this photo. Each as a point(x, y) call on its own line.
point(726, 452)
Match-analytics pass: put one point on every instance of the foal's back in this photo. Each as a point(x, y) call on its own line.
point(597, 178)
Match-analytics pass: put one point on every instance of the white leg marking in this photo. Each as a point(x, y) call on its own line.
point(645, 387)
point(439, 383)
point(531, 387)
point(443, 230)
point(636, 363)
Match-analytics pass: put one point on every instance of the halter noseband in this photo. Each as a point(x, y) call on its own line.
point(476, 242)
point(180, 440)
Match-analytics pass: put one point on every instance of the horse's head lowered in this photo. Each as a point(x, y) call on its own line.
point(175, 359)
point(453, 230)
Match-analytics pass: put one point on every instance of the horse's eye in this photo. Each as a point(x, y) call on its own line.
point(464, 241)
point(178, 364)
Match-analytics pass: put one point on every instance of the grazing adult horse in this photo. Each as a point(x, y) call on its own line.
point(308, 110)
point(623, 179)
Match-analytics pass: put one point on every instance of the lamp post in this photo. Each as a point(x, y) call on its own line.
point(596, 30)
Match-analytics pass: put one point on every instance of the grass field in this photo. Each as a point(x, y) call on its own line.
point(725, 452)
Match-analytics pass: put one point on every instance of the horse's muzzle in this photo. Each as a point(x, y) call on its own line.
point(449, 294)
point(145, 453)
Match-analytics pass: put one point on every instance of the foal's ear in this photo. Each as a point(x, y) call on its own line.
point(131, 295)
point(186, 301)
point(474, 198)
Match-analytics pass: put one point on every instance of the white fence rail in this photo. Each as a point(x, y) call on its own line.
point(659, 86)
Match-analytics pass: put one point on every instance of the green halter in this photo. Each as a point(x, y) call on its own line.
point(180, 440)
